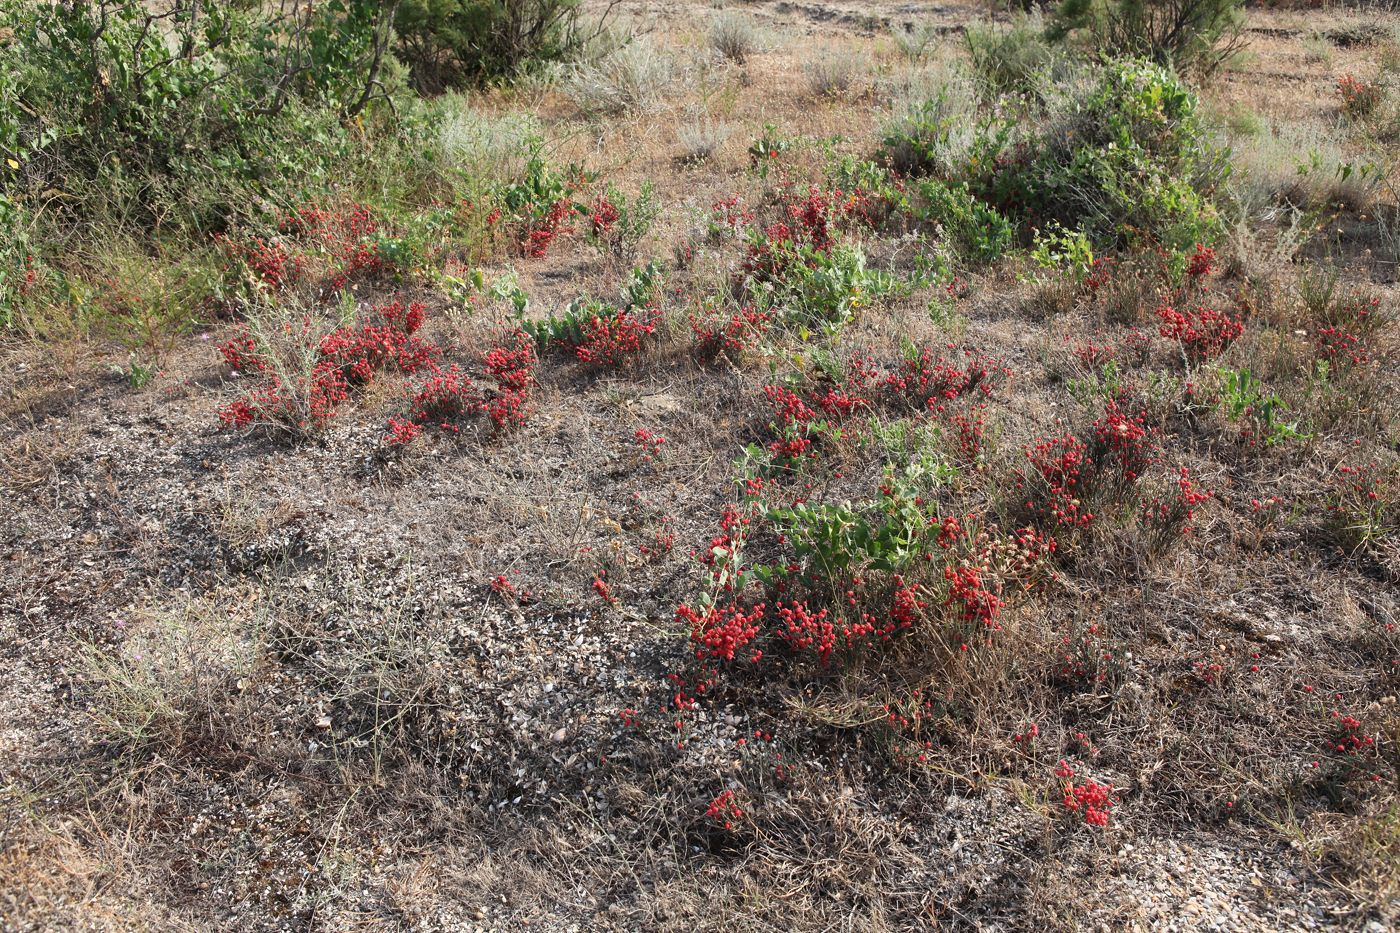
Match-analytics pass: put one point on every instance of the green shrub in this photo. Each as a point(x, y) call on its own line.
point(976, 230)
point(1188, 35)
point(820, 291)
point(453, 43)
point(1117, 151)
point(177, 120)
point(1125, 159)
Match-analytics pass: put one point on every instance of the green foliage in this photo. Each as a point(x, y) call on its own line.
point(1104, 385)
point(158, 124)
point(1127, 162)
point(569, 326)
point(1189, 35)
point(834, 538)
point(876, 180)
point(1136, 163)
point(977, 231)
point(643, 286)
point(823, 290)
point(454, 43)
point(530, 196)
point(1242, 398)
point(765, 150)
point(1056, 248)
point(110, 92)
point(1121, 156)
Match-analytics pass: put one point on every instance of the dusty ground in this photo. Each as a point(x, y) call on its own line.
point(358, 732)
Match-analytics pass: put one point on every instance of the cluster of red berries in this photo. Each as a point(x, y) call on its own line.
point(724, 809)
point(1359, 98)
point(725, 547)
point(450, 394)
point(649, 442)
point(730, 213)
point(1100, 273)
point(1201, 263)
point(1339, 346)
point(611, 339)
point(511, 365)
point(1094, 356)
point(1125, 440)
point(541, 232)
point(1203, 333)
point(810, 228)
point(603, 217)
point(794, 423)
point(1062, 467)
point(1090, 798)
point(1172, 515)
point(272, 262)
point(721, 631)
point(929, 383)
point(718, 333)
point(347, 234)
point(825, 632)
point(970, 431)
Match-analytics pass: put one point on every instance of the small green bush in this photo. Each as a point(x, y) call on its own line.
point(976, 230)
point(1118, 152)
point(819, 291)
point(1131, 161)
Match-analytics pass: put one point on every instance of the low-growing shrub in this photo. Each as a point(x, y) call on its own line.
point(599, 333)
point(1243, 400)
point(914, 40)
point(734, 36)
point(1202, 333)
point(1360, 99)
point(976, 230)
point(933, 136)
point(304, 373)
point(617, 223)
point(631, 79)
point(723, 331)
point(539, 206)
point(117, 119)
point(701, 136)
point(830, 73)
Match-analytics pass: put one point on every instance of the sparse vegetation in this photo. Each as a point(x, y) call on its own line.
point(502, 466)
